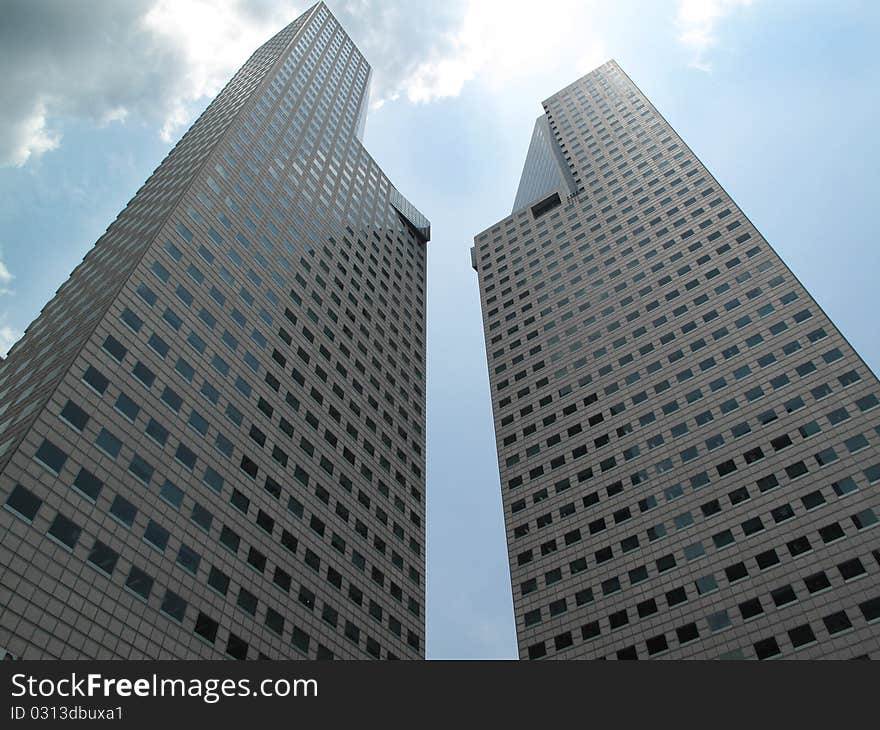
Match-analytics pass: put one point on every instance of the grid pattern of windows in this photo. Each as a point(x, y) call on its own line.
point(688, 447)
point(232, 465)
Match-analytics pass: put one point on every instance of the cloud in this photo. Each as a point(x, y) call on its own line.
point(396, 36)
point(105, 61)
point(211, 39)
point(8, 337)
point(6, 278)
point(157, 62)
point(698, 21)
point(491, 41)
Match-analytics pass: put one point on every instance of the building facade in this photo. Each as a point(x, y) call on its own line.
point(688, 447)
point(212, 439)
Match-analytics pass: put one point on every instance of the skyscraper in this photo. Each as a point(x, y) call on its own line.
point(212, 438)
point(688, 447)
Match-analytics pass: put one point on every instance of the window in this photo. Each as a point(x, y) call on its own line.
point(718, 621)
point(201, 517)
point(851, 569)
point(173, 606)
point(706, 584)
point(123, 510)
point(218, 580)
point(813, 500)
point(752, 526)
point(144, 374)
point(817, 582)
point(590, 630)
point(139, 583)
point(75, 415)
point(801, 636)
point(247, 601)
point(141, 469)
point(188, 559)
point(300, 640)
point(127, 407)
point(783, 596)
point(206, 628)
point(831, 532)
point(799, 546)
point(23, 502)
point(96, 380)
point(103, 557)
point(65, 531)
point(870, 609)
point(274, 621)
point(767, 648)
point(50, 456)
point(687, 633)
point(172, 494)
point(865, 518)
point(108, 443)
point(837, 622)
point(657, 645)
point(536, 651)
point(157, 432)
point(229, 539)
point(751, 608)
point(676, 596)
point(114, 348)
point(845, 486)
point(156, 535)
point(647, 608)
point(618, 619)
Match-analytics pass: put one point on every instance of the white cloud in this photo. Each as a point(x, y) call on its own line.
point(498, 41)
point(698, 21)
point(8, 337)
point(103, 61)
point(6, 278)
point(29, 136)
point(213, 39)
point(157, 62)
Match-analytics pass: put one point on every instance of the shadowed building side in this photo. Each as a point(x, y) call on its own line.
point(212, 439)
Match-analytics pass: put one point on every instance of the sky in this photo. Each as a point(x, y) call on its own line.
point(779, 98)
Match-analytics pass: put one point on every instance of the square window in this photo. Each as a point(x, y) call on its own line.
point(23, 502)
point(718, 621)
point(74, 415)
point(783, 596)
point(156, 535)
point(817, 582)
point(864, 519)
point(751, 608)
point(767, 648)
point(801, 636)
point(173, 606)
point(50, 456)
point(706, 584)
point(65, 531)
point(206, 628)
point(139, 582)
point(108, 443)
point(837, 622)
point(103, 557)
point(687, 633)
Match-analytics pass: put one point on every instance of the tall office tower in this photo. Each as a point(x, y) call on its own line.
point(688, 447)
point(212, 438)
